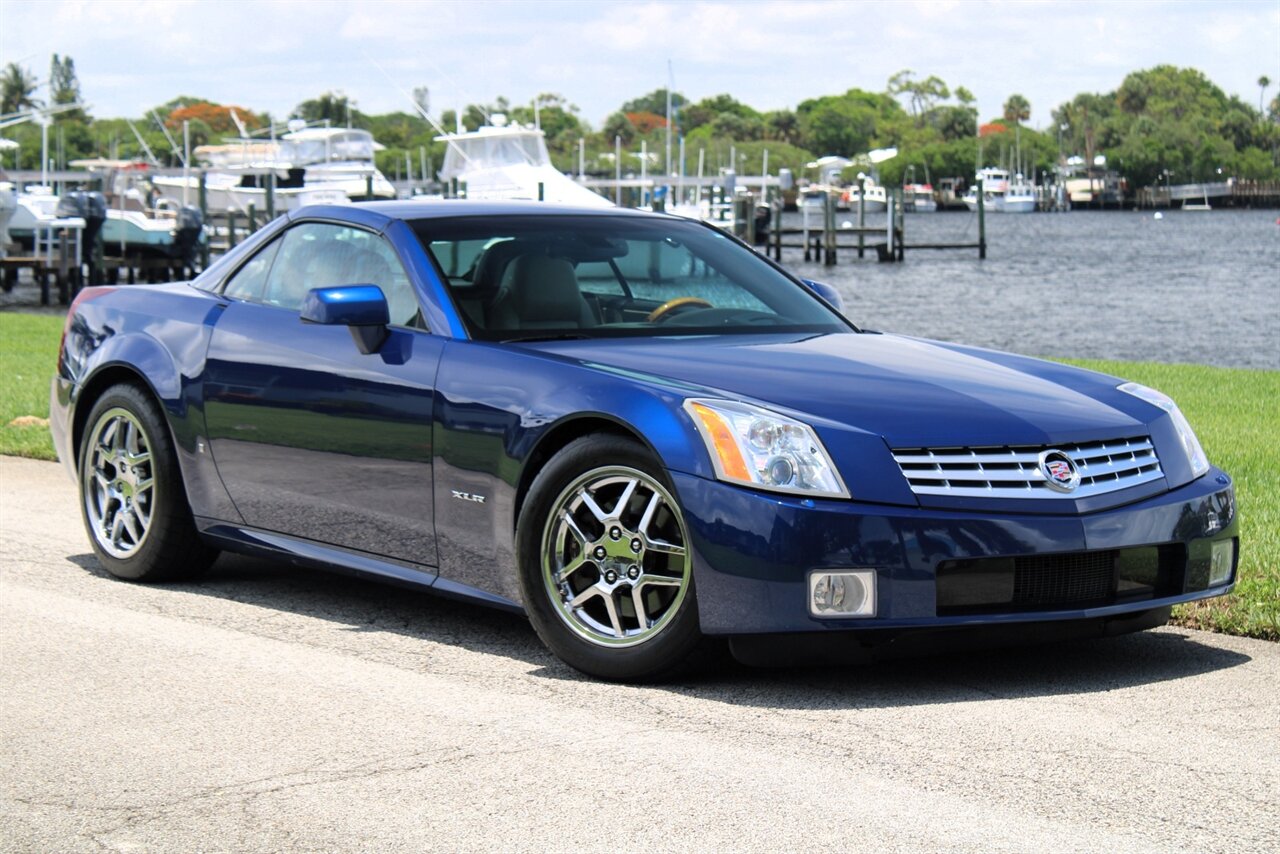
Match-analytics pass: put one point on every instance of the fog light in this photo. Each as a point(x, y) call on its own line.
point(1221, 560)
point(848, 593)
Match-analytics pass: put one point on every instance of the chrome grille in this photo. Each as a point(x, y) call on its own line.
point(1014, 472)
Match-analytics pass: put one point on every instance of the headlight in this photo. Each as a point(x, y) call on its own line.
point(756, 447)
point(1190, 444)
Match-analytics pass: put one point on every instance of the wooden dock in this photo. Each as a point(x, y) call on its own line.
point(826, 242)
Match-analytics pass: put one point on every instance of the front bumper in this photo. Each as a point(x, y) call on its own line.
point(752, 553)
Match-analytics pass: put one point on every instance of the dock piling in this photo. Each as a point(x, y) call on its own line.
point(862, 215)
point(982, 224)
point(829, 231)
point(204, 218)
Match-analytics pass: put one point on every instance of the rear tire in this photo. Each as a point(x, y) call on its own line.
point(605, 565)
point(132, 497)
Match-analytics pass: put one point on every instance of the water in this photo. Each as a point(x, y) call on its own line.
point(1192, 287)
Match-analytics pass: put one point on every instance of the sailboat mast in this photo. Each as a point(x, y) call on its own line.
point(669, 84)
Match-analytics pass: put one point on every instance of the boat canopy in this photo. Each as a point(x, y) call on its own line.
point(327, 145)
point(301, 148)
point(492, 148)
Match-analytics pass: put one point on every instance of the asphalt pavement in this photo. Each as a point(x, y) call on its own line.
point(276, 708)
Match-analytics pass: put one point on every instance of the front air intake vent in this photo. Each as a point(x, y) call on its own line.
point(1016, 472)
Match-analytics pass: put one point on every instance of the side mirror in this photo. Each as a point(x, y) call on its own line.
point(360, 308)
point(827, 293)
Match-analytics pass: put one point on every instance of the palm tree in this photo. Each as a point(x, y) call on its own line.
point(16, 88)
point(1017, 109)
point(1263, 82)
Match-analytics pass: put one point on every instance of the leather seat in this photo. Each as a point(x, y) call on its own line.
point(542, 293)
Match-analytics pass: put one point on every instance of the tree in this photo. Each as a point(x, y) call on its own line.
point(1263, 82)
point(619, 125)
point(782, 125)
point(954, 122)
point(733, 126)
point(645, 122)
point(17, 89)
point(64, 89)
point(654, 102)
point(705, 111)
point(216, 117)
point(334, 107)
point(835, 126)
point(1017, 109)
point(922, 94)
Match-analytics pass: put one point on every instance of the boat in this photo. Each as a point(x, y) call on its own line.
point(8, 206)
point(876, 197)
point(1198, 206)
point(138, 222)
point(813, 197)
point(949, 195)
point(918, 198)
point(1002, 193)
point(504, 160)
point(36, 206)
point(310, 165)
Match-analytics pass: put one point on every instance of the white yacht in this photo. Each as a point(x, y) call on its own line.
point(918, 198)
point(311, 166)
point(1001, 193)
point(510, 161)
point(877, 199)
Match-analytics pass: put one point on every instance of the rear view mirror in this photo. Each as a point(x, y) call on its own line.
point(828, 293)
point(360, 308)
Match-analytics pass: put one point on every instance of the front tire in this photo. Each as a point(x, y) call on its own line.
point(605, 566)
point(132, 497)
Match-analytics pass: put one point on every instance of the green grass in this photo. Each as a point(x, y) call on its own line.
point(28, 358)
point(1235, 413)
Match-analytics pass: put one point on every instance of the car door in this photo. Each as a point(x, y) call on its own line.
point(311, 437)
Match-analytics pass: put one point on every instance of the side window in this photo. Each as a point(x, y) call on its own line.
point(248, 280)
point(320, 255)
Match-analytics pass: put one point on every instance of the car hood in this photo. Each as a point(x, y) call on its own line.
point(912, 392)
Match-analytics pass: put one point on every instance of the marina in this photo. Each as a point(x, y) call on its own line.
point(1209, 279)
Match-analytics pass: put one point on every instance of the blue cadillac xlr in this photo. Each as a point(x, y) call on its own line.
point(630, 427)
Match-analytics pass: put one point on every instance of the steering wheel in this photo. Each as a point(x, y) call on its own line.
point(673, 304)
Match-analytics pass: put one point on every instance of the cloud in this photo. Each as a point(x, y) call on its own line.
point(272, 54)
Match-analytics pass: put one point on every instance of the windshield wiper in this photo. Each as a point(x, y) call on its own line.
point(549, 336)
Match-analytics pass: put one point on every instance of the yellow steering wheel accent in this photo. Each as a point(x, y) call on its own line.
point(672, 304)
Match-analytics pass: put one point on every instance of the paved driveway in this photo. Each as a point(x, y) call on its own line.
point(274, 708)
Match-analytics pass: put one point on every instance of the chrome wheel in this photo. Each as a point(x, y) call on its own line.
point(614, 557)
point(119, 483)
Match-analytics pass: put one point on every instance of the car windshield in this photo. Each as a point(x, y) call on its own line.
point(554, 276)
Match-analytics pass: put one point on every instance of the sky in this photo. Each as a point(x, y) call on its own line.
point(269, 55)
